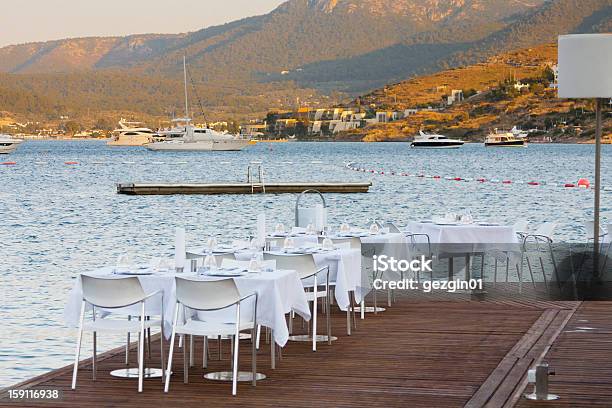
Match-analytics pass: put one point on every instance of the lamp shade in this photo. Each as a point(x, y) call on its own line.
point(585, 66)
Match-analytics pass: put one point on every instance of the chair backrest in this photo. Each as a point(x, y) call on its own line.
point(353, 242)
point(304, 265)
point(112, 293)
point(392, 227)
point(206, 295)
point(547, 229)
point(521, 226)
point(232, 263)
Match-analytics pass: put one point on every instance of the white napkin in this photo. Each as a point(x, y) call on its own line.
point(179, 248)
point(261, 228)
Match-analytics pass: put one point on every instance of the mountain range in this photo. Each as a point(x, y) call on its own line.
point(311, 49)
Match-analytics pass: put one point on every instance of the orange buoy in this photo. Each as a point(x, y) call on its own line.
point(71, 162)
point(9, 163)
point(584, 183)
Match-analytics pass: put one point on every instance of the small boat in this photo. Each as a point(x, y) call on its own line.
point(8, 144)
point(435, 141)
point(503, 139)
point(130, 134)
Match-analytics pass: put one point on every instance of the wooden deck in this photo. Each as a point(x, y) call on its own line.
point(418, 353)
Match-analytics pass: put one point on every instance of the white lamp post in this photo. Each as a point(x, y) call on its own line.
point(585, 71)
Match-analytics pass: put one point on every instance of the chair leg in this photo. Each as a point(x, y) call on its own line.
point(352, 304)
point(530, 271)
point(258, 336)
point(93, 358)
point(185, 363)
point(141, 342)
point(254, 356)
point(272, 350)
point(389, 297)
point(219, 348)
point(235, 368)
point(76, 358)
point(191, 353)
point(148, 342)
point(328, 320)
point(205, 353)
point(169, 370)
point(362, 309)
point(161, 352)
point(127, 346)
point(314, 322)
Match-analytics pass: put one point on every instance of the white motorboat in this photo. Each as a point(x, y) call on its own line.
point(192, 138)
point(8, 144)
point(435, 141)
point(131, 134)
point(198, 139)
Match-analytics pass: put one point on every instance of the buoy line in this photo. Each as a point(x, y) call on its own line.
point(582, 183)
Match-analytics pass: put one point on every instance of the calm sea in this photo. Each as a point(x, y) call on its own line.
point(58, 220)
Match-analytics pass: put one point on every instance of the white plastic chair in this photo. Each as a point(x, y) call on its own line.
point(116, 294)
point(542, 238)
point(208, 296)
point(589, 227)
point(392, 227)
point(520, 227)
point(306, 269)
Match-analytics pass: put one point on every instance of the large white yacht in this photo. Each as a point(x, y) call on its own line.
point(8, 144)
point(435, 141)
point(191, 138)
point(131, 134)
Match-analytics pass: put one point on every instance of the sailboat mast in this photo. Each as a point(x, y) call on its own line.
point(185, 78)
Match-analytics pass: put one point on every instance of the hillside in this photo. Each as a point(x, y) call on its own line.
point(496, 105)
point(317, 50)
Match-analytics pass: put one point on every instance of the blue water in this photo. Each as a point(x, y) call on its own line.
point(58, 220)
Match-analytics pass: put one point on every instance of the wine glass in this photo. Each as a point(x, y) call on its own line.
point(210, 263)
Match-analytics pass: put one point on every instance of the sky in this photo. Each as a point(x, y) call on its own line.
point(42, 20)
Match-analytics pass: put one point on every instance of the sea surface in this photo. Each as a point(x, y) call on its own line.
point(58, 220)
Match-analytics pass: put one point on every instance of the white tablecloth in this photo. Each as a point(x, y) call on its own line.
point(279, 292)
point(344, 270)
point(466, 239)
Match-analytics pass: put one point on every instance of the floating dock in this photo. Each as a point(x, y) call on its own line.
point(239, 188)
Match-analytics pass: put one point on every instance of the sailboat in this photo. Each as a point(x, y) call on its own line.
point(186, 137)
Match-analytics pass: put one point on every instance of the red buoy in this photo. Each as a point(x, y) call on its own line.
point(584, 183)
point(507, 182)
point(568, 185)
point(482, 180)
point(71, 162)
point(533, 183)
point(436, 177)
point(457, 179)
